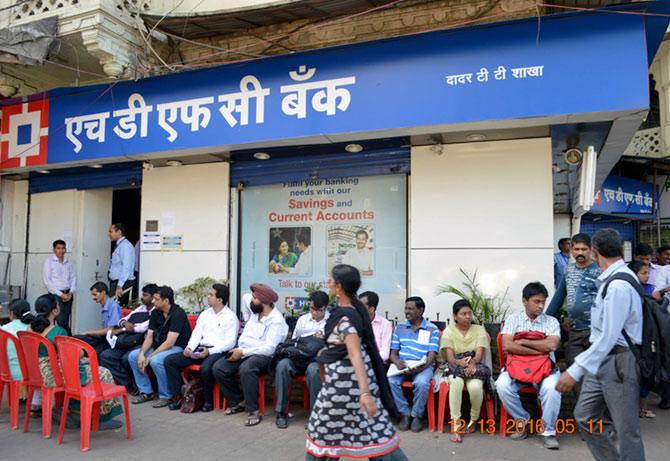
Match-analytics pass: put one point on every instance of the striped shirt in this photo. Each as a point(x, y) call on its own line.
point(415, 344)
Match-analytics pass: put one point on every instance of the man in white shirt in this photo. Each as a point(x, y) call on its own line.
point(215, 333)
point(361, 257)
point(265, 329)
point(311, 324)
point(122, 265)
point(304, 264)
point(59, 278)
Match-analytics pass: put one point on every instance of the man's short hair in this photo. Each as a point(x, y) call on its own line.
point(642, 249)
point(581, 238)
point(100, 287)
point(608, 243)
point(562, 241)
point(59, 242)
point(373, 298)
point(362, 232)
point(662, 249)
point(222, 292)
point(165, 292)
point(534, 289)
point(319, 298)
point(418, 300)
point(120, 227)
point(150, 288)
point(304, 238)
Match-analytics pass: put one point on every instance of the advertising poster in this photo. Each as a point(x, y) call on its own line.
point(294, 233)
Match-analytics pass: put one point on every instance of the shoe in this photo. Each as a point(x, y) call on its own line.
point(282, 420)
point(417, 424)
point(111, 424)
point(161, 403)
point(307, 424)
point(550, 442)
point(665, 404)
point(404, 423)
point(132, 390)
point(520, 435)
point(143, 398)
point(35, 412)
point(206, 408)
point(174, 404)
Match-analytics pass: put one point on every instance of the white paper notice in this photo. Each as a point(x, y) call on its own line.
point(151, 241)
point(67, 236)
point(168, 222)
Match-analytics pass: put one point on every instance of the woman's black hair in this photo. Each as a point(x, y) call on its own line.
point(21, 309)
point(350, 280)
point(460, 304)
point(637, 266)
point(44, 305)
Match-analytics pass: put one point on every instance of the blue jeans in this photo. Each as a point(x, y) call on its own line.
point(550, 398)
point(286, 369)
point(157, 366)
point(421, 388)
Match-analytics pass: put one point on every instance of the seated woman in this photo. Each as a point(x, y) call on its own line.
point(283, 260)
point(19, 320)
point(465, 348)
point(46, 308)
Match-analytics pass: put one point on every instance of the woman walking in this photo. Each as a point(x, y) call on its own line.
point(351, 414)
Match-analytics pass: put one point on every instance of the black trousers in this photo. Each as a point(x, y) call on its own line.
point(245, 387)
point(99, 343)
point(116, 361)
point(124, 301)
point(63, 318)
point(175, 363)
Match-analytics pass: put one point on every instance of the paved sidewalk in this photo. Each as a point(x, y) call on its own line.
point(160, 434)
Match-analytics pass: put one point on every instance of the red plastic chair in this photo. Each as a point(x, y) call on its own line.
point(443, 406)
point(13, 386)
point(192, 319)
point(90, 396)
point(524, 390)
point(261, 396)
point(305, 393)
point(430, 403)
point(216, 391)
point(31, 343)
point(125, 312)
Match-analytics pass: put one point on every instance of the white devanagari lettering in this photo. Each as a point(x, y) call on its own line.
point(93, 123)
point(500, 73)
point(483, 75)
point(609, 195)
point(127, 126)
point(519, 72)
point(190, 112)
point(324, 100)
point(250, 87)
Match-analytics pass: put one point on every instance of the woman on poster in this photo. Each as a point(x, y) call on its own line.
point(283, 259)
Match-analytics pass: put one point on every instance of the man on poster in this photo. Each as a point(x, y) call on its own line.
point(361, 257)
point(304, 264)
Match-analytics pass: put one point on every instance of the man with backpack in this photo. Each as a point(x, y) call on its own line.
point(609, 365)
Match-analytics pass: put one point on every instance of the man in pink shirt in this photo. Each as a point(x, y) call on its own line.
point(382, 328)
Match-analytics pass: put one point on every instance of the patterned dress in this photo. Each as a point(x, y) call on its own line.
point(338, 427)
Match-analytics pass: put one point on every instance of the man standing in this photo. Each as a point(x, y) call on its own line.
point(304, 264)
point(608, 365)
point(215, 333)
point(382, 328)
point(122, 265)
point(361, 257)
point(580, 287)
point(110, 317)
point(261, 335)
point(532, 319)
point(311, 324)
point(168, 333)
point(561, 259)
point(643, 253)
point(418, 340)
point(59, 278)
point(116, 359)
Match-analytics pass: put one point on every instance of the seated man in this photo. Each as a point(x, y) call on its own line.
point(532, 319)
point(214, 335)
point(168, 333)
point(381, 327)
point(310, 324)
point(417, 340)
point(110, 316)
point(115, 359)
point(264, 330)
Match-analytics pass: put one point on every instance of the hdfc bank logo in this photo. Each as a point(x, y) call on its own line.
point(24, 134)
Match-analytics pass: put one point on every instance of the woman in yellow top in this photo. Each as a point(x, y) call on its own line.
point(466, 349)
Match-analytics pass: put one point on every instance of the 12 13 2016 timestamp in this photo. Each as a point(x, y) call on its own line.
point(532, 426)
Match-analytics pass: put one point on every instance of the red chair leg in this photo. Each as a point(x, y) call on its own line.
point(31, 391)
point(503, 419)
point(431, 407)
point(261, 395)
point(217, 396)
point(126, 410)
point(442, 406)
point(61, 429)
point(2, 392)
point(14, 391)
point(224, 404)
point(305, 396)
point(47, 409)
point(85, 424)
point(95, 417)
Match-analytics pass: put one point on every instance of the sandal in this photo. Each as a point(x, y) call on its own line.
point(234, 410)
point(253, 419)
point(456, 438)
point(647, 414)
point(470, 428)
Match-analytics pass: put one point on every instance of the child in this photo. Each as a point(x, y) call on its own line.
point(641, 270)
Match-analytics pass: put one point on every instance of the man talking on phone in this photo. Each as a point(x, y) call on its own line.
point(215, 333)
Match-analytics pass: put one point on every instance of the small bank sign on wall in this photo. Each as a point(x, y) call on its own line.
point(625, 196)
point(396, 86)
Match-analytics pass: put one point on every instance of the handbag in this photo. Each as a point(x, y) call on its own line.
point(481, 370)
point(301, 351)
point(530, 369)
point(192, 394)
point(130, 340)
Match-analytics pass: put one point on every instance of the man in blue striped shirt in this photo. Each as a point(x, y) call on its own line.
point(414, 340)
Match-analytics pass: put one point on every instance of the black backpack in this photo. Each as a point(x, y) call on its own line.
point(653, 355)
point(301, 351)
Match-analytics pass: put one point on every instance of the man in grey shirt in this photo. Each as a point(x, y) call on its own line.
point(608, 365)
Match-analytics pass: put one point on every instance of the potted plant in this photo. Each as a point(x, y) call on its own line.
point(193, 297)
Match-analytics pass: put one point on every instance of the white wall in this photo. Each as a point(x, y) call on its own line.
point(485, 206)
point(13, 208)
point(198, 196)
point(562, 226)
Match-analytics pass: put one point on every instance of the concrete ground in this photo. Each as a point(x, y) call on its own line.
point(160, 434)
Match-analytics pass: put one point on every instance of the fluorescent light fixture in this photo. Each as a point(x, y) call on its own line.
point(43, 171)
point(95, 166)
point(353, 148)
point(474, 137)
point(262, 156)
point(174, 163)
